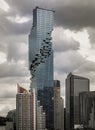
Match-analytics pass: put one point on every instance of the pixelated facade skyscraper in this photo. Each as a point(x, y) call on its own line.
point(41, 60)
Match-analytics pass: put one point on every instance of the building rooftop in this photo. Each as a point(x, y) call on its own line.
point(76, 76)
point(44, 9)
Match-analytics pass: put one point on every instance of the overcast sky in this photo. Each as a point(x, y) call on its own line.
point(73, 43)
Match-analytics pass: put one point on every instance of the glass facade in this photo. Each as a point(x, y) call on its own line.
point(40, 48)
point(46, 100)
point(41, 61)
point(74, 85)
point(86, 100)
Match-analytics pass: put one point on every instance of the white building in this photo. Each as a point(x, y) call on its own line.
point(41, 117)
point(25, 109)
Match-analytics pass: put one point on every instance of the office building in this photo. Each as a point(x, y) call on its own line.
point(25, 109)
point(74, 85)
point(58, 107)
point(46, 98)
point(41, 60)
point(40, 48)
point(87, 109)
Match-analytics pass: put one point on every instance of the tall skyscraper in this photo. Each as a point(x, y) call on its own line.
point(41, 61)
point(25, 109)
point(40, 48)
point(74, 85)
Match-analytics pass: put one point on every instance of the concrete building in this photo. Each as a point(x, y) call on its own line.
point(62, 113)
point(74, 85)
point(41, 59)
point(41, 118)
point(58, 107)
point(92, 116)
point(25, 109)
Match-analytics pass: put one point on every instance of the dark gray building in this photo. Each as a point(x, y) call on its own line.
point(87, 109)
point(74, 85)
point(11, 120)
point(46, 98)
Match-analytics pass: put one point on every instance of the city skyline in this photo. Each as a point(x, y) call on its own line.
point(15, 25)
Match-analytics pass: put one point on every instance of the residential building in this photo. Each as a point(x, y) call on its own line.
point(25, 109)
point(41, 118)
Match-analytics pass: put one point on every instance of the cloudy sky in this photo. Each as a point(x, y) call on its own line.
point(73, 43)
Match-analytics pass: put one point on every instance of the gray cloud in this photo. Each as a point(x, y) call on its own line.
point(13, 70)
point(77, 14)
point(63, 43)
point(10, 28)
point(91, 32)
point(6, 105)
point(17, 51)
point(68, 61)
point(9, 92)
point(70, 14)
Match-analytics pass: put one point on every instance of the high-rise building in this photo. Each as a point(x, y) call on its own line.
point(46, 98)
point(74, 85)
point(87, 109)
point(41, 118)
point(40, 48)
point(25, 109)
point(58, 107)
point(41, 61)
point(62, 113)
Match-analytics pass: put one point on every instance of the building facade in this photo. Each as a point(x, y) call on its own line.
point(57, 106)
point(40, 48)
point(25, 109)
point(74, 85)
point(87, 109)
point(41, 61)
point(46, 98)
point(41, 118)
point(62, 114)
